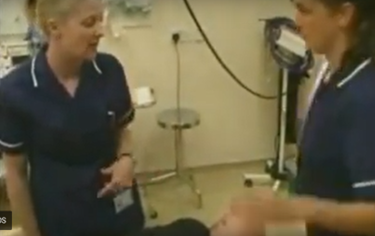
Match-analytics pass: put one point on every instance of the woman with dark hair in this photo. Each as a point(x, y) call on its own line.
point(335, 186)
point(30, 11)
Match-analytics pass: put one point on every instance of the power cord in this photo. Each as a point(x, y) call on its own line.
point(176, 39)
point(299, 66)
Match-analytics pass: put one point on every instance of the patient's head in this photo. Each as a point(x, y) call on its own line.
point(235, 226)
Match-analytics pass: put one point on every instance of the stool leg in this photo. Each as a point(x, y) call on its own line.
point(187, 177)
point(150, 210)
point(192, 184)
point(178, 151)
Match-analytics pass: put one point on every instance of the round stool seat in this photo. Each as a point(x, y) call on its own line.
point(168, 119)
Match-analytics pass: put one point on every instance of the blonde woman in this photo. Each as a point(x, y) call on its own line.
point(64, 114)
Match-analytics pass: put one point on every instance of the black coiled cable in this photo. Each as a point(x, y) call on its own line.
point(271, 24)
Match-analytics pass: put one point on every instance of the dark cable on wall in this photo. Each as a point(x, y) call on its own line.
point(219, 59)
point(270, 25)
point(176, 39)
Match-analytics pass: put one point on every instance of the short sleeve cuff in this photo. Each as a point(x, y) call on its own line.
point(6, 146)
point(126, 118)
point(364, 190)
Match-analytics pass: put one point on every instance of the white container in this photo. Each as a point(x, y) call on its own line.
point(144, 97)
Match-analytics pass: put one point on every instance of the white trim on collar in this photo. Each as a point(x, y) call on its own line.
point(35, 79)
point(351, 76)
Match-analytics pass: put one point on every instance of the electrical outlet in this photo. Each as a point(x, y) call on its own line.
point(187, 36)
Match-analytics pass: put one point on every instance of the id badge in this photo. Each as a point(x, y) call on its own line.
point(123, 200)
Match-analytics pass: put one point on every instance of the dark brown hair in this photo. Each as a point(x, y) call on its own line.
point(363, 46)
point(30, 10)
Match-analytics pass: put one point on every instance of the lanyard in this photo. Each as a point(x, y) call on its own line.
point(323, 75)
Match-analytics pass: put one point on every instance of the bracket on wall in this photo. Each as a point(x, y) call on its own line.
point(133, 7)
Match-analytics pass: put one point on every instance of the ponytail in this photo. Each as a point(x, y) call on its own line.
point(372, 37)
point(363, 46)
point(30, 11)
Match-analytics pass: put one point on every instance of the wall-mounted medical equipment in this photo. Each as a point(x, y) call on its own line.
point(132, 6)
point(286, 46)
point(138, 5)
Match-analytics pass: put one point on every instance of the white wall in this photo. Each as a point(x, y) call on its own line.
point(235, 126)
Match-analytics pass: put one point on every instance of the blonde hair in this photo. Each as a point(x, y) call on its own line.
point(47, 9)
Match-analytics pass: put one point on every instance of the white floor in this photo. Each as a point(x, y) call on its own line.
point(218, 185)
point(173, 200)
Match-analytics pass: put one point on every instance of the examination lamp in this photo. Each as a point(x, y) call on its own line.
point(286, 45)
point(292, 42)
point(290, 53)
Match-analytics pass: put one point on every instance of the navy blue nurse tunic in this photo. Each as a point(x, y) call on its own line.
point(338, 143)
point(67, 141)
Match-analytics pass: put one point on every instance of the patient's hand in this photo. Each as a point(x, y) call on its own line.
point(230, 225)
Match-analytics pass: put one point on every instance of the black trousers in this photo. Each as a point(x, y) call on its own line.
point(181, 227)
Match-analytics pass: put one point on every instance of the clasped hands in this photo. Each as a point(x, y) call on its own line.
point(248, 215)
point(120, 175)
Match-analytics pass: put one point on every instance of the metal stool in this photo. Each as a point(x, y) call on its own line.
point(179, 120)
